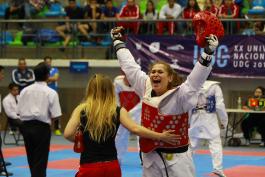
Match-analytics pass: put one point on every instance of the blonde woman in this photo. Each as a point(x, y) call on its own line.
point(101, 118)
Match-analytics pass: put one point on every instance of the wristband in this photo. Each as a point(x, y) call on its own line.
point(205, 59)
point(118, 45)
point(208, 51)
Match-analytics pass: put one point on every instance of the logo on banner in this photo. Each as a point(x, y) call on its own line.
point(220, 59)
point(176, 47)
point(154, 47)
point(138, 46)
point(175, 65)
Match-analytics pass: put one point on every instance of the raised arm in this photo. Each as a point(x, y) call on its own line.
point(136, 77)
point(117, 89)
point(189, 89)
point(185, 97)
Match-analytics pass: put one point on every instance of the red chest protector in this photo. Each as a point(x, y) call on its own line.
point(128, 99)
point(153, 120)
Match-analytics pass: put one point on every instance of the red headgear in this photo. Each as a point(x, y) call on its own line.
point(206, 23)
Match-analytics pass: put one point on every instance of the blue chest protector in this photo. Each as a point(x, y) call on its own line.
point(210, 104)
point(209, 107)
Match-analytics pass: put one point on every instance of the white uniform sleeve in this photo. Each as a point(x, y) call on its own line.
point(136, 110)
point(185, 98)
point(118, 89)
point(132, 70)
point(11, 113)
point(55, 108)
point(220, 106)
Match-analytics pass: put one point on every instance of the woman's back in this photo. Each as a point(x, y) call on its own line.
point(99, 151)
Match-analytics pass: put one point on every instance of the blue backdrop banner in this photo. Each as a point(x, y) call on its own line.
point(236, 57)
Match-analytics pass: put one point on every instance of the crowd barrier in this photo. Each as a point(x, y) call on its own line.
point(36, 38)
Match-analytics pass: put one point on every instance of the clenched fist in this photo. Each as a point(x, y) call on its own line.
point(117, 33)
point(212, 44)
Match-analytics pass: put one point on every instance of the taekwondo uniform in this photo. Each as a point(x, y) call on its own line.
point(127, 98)
point(204, 123)
point(175, 103)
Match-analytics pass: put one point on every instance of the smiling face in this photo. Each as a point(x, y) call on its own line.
point(160, 78)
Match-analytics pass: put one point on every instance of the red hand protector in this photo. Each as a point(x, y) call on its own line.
point(206, 23)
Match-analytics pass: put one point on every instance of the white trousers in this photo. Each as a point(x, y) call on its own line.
point(182, 167)
point(216, 150)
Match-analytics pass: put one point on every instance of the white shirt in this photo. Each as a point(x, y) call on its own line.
point(10, 106)
point(39, 102)
point(175, 11)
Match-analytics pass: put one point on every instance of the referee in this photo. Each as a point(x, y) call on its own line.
point(37, 106)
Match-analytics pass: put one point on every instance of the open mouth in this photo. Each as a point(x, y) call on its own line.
point(156, 81)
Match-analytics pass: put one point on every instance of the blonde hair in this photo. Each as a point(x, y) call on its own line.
point(100, 108)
